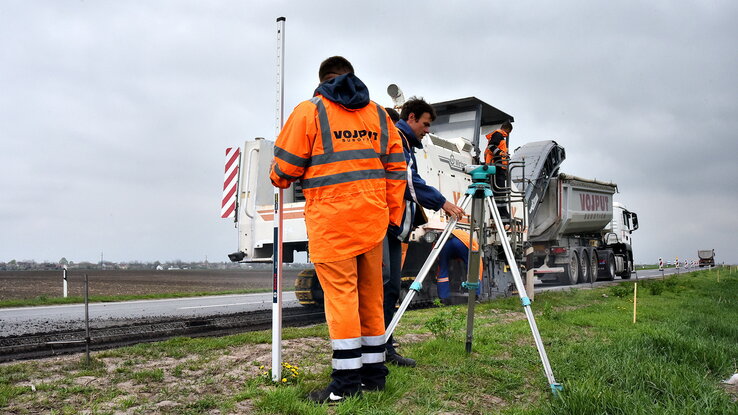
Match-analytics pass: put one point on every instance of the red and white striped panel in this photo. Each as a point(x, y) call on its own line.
point(230, 184)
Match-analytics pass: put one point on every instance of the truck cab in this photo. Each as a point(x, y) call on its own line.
point(623, 223)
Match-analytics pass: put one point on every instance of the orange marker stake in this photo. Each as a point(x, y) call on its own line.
point(635, 300)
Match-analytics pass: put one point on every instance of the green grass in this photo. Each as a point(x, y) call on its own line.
point(45, 300)
point(671, 361)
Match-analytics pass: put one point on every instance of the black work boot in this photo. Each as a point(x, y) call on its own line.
point(398, 360)
point(345, 383)
point(330, 396)
point(373, 376)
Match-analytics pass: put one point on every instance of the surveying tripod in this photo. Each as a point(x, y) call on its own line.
point(479, 195)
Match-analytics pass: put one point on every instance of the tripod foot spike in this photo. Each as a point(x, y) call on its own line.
point(556, 388)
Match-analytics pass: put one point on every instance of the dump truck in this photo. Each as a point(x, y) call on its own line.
point(586, 233)
point(576, 231)
point(707, 257)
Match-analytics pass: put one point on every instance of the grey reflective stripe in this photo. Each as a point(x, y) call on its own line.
point(350, 176)
point(373, 340)
point(384, 135)
point(409, 179)
point(282, 174)
point(346, 344)
point(366, 153)
point(409, 214)
point(396, 175)
point(409, 211)
point(372, 357)
point(343, 364)
point(392, 158)
point(325, 126)
point(285, 155)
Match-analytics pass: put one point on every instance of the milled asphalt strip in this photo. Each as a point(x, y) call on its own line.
point(219, 305)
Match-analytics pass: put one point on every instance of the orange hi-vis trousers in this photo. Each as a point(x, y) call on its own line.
point(353, 308)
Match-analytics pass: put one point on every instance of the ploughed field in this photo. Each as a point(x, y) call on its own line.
point(32, 284)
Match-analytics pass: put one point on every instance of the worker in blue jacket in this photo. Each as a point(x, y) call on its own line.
point(416, 117)
point(456, 248)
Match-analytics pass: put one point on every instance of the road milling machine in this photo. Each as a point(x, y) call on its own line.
point(561, 227)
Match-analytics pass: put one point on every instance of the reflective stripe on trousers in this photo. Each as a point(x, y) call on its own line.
point(353, 308)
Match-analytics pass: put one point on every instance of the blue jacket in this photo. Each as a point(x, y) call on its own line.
point(417, 191)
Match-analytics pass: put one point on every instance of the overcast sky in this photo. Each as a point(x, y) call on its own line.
point(115, 115)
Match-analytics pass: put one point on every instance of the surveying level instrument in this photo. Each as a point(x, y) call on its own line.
point(479, 195)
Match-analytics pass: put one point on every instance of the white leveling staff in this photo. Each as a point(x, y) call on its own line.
point(278, 208)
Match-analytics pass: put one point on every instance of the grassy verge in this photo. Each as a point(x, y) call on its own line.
point(44, 300)
point(671, 361)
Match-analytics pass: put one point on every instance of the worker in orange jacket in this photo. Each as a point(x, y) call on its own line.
point(456, 247)
point(497, 153)
point(347, 155)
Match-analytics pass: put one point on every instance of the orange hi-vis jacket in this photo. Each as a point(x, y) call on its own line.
point(352, 171)
point(499, 153)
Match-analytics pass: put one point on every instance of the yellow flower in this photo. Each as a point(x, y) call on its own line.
point(284, 380)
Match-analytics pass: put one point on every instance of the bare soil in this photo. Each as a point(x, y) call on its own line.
point(32, 284)
point(186, 380)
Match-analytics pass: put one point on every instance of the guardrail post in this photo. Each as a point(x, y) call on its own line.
point(64, 281)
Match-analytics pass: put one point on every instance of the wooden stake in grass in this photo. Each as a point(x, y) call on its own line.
point(635, 300)
point(718, 275)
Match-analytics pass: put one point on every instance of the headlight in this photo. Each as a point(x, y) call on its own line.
point(430, 237)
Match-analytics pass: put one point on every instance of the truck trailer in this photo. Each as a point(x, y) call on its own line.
point(707, 257)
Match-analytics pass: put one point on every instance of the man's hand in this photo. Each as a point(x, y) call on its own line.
point(453, 210)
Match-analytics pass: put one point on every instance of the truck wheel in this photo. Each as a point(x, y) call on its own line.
point(593, 261)
point(584, 269)
point(571, 271)
point(628, 270)
point(609, 272)
point(308, 290)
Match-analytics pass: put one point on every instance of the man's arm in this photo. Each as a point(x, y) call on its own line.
point(293, 148)
point(419, 191)
point(428, 196)
point(494, 141)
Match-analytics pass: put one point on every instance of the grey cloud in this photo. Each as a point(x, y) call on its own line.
point(115, 115)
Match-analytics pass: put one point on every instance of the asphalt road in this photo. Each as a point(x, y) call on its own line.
point(41, 319)
point(30, 320)
point(639, 275)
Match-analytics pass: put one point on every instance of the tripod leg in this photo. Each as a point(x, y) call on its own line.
point(416, 286)
point(473, 277)
point(555, 387)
